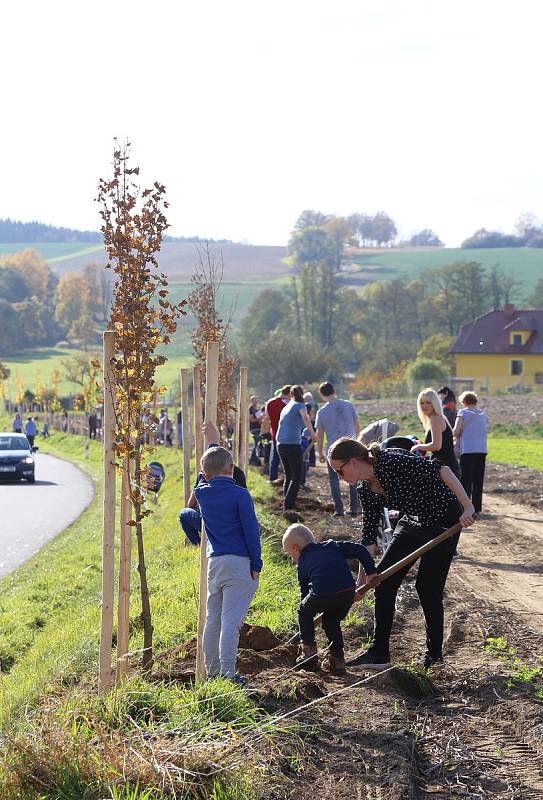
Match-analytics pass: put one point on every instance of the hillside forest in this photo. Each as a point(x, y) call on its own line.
point(384, 334)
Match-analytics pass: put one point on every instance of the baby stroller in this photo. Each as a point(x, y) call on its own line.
point(378, 431)
point(390, 517)
point(155, 478)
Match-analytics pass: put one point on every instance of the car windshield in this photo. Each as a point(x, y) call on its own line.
point(13, 443)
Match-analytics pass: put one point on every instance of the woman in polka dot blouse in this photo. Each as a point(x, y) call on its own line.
point(430, 498)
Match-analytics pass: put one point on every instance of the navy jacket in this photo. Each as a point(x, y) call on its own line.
point(323, 569)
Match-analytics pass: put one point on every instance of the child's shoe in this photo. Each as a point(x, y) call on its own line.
point(308, 658)
point(335, 664)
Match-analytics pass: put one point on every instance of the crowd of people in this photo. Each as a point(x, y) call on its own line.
point(434, 486)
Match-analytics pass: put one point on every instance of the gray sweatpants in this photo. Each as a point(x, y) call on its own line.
point(230, 589)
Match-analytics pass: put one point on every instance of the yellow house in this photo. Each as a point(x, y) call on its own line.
point(502, 349)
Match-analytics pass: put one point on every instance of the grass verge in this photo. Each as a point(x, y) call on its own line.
point(50, 607)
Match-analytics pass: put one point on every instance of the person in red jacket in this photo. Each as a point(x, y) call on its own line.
point(274, 406)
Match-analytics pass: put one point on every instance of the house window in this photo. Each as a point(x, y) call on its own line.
point(517, 338)
point(516, 367)
point(538, 377)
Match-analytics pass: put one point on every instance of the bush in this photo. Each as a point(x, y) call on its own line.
point(426, 369)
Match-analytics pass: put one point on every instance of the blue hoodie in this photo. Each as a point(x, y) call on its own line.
point(230, 520)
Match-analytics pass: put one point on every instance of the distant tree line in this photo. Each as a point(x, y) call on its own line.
point(16, 232)
point(37, 309)
point(528, 233)
point(360, 229)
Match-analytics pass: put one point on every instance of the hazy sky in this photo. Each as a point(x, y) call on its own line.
point(250, 112)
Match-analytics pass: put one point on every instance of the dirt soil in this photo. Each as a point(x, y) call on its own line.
point(472, 728)
point(523, 409)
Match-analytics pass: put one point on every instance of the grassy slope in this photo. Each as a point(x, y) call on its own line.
point(524, 262)
point(54, 251)
point(42, 359)
point(49, 614)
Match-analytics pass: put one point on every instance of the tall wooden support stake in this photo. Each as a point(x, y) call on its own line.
point(125, 556)
point(198, 435)
point(244, 420)
point(105, 676)
point(212, 387)
point(235, 435)
point(185, 423)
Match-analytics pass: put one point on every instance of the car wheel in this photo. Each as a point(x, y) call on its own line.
point(32, 479)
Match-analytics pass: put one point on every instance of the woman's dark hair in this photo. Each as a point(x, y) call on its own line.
point(450, 396)
point(345, 448)
point(297, 393)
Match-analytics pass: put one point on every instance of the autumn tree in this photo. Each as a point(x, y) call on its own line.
point(4, 375)
point(72, 299)
point(76, 369)
point(98, 279)
point(35, 273)
point(133, 224)
point(202, 301)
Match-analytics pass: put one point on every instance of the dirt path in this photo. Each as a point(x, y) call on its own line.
point(501, 560)
point(471, 729)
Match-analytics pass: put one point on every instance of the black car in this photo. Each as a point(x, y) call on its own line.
point(16, 457)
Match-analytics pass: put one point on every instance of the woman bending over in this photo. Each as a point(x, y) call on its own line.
point(430, 498)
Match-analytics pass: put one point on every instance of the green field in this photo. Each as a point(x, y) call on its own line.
point(525, 263)
point(54, 251)
point(44, 360)
point(519, 452)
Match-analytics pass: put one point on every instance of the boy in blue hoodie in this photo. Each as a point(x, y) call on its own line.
point(327, 586)
point(235, 563)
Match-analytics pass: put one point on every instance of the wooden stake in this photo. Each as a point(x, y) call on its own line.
point(125, 557)
point(212, 386)
point(105, 676)
point(187, 443)
point(198, 435)
point(244, 420)
point(235, 435)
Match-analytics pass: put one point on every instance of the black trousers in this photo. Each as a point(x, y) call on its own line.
point(291, 458)
point(473, 473)
point(334, 607)
point(432, 574)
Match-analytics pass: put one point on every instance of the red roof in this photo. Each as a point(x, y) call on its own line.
point(491, 332)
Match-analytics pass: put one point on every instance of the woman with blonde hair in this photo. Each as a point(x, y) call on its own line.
point(438, 442)
point(429, 498)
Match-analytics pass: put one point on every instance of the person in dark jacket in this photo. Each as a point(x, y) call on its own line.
point(430, 499)
point(327, 586)
point(448, 401)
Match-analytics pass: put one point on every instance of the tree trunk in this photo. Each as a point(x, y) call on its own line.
point(147, 659)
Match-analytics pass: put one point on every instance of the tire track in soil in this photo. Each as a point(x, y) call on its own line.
point(475, 737)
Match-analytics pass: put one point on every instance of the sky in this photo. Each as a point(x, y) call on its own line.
point(251, 112)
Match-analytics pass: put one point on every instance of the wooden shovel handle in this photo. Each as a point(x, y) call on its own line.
point(404, 562)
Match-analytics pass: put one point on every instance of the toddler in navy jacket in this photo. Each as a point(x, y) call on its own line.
point(327, 586)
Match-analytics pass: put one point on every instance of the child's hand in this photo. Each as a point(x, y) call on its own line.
point(367, 580)
point(255, 575)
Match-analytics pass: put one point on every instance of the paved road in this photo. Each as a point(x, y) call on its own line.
point(32, 514)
